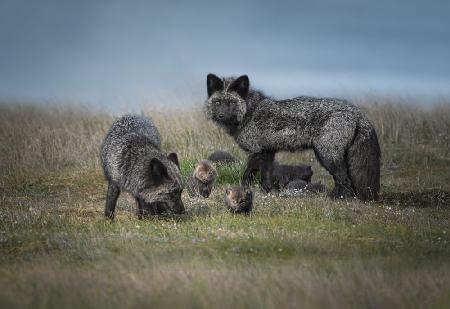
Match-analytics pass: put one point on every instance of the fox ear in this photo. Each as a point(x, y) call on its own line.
point(213, 83)
point(174, 158)
point(228, 191)
point(241, 86)
point(158, 171)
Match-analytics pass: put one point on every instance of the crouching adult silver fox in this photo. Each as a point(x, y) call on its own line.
point(132, 161)
point(342, 137)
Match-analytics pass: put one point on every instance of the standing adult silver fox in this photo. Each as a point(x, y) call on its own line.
point(342, 138)
point(132, 161)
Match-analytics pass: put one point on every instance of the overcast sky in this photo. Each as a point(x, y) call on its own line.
point(115, 52)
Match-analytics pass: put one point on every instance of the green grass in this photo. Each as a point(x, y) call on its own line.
point(57, 250)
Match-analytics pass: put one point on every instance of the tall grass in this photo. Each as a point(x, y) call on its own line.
point(398, 121)
point(47, 138)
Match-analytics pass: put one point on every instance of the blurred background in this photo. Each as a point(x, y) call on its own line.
point(130, 53)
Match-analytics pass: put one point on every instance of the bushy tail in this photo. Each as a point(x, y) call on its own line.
point(363, 160)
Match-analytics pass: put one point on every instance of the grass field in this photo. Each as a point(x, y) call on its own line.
point(57, 250)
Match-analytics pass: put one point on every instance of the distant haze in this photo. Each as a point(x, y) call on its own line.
point(130, 52)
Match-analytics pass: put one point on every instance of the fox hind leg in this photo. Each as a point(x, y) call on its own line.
point(330, 148)
point(334, 162)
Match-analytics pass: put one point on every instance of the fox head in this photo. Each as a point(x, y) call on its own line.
point(226, 103)
point(205, 174)
point(239, 199)
point(164, 186)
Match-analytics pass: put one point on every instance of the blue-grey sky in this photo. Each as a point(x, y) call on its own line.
point(115, 52)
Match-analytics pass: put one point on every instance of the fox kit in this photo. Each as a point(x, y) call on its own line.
point(282, 174)
point(222, 157)
point(304, 187)
point(201, 180)
point(239, 199)
point(132, 161)
point(342, 137)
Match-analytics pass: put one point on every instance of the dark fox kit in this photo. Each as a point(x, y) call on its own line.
point(201, 180)
point(132, 161)
point(283, 174)
point(342, 137)
point(222, 157)
point(239, 199)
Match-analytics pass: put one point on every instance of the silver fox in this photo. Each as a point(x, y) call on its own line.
point(132, 161)
point(343, 139)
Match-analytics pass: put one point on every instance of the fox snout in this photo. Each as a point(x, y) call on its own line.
point(220, 115)
point(205, 192)
point(179, 208)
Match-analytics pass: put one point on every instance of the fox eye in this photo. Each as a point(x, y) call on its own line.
point(217, 102)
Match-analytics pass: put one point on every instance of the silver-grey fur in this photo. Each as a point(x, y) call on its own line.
point(201, 179)
point(132, 161)
point(343, 139)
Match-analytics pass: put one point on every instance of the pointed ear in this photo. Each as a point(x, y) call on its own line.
point(228, 191)
point(157, 171)
point(241, 85)
point(174, 158)
point(213, 83)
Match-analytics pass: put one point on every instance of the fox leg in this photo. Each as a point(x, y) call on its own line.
point(262, 162)
point(333, 160)
point(266, 168)
point(111, 200)
point(144, 211)
point(330, 148)
point(140, 205)
point(342, 183)
point(338, 169)
point(251, 170)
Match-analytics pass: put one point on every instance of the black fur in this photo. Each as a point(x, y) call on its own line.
point(222, 157)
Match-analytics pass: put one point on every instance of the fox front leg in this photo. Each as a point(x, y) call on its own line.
point(250, 171)
point(266, 168)
point(111, 200)
point(262, 162)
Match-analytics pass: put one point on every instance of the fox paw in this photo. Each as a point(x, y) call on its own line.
point(340, 192)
